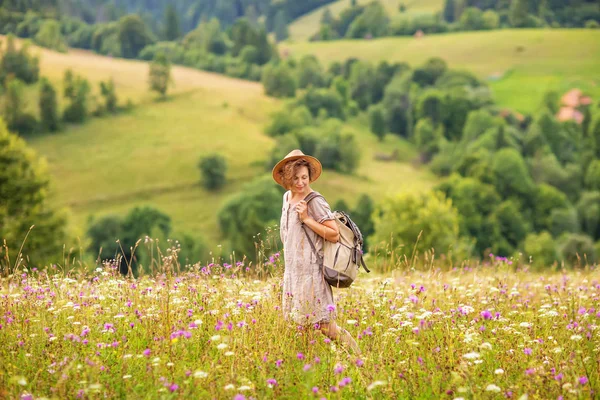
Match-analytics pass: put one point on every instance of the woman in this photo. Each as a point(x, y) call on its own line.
point(307, 297)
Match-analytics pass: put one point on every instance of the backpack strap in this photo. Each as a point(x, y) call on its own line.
point(308, 198)
point(312, 245)
point(311, 196)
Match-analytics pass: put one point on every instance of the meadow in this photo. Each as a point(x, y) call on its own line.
point(156, 146)
point(487, 330)
point(520, 65)
point(307, 25)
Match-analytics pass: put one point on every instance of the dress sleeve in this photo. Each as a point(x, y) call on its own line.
point(320, 210)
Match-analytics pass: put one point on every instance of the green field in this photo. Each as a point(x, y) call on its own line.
point(526, 62)
point(149, 155)
point(304, 27)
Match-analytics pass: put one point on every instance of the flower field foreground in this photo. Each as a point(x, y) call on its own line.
point(483, 332)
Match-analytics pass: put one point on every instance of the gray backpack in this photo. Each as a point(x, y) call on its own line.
point(341, 260)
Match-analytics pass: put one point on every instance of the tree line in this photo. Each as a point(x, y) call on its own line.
point(372, 20)
point(511, 182)
point(19, 69)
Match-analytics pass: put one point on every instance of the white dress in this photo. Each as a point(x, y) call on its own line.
point(307, 297)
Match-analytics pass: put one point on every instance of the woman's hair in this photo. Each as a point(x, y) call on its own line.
point(290, 169)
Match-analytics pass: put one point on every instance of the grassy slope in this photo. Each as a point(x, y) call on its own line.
point(549, 59)
point(149, 156)
point(305, 26)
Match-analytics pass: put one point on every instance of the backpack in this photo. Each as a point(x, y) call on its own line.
point(341, 260)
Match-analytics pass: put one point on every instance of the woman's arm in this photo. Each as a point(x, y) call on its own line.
point(328, 230)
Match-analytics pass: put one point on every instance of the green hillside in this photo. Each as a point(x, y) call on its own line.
point(149, 156)
point(519, 64)
point(304, 27)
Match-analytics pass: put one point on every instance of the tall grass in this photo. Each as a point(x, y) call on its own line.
point(427, 329)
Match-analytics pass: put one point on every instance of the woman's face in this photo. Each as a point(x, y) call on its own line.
point(301, 180)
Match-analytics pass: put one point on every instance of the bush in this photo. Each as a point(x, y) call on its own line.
point(278, 80)
point(213, 169)
point(76, 90)
point(337, 150)
point(50, 36)
point(18, 63)
point(327, 100)
point(377, 121)
point(248, 213)
point(403, 218)
point(592, 176)
point(427, 138)
point(540, 249)
point(49, 119)
point(576, 249)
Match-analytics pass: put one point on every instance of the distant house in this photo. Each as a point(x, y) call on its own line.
point(571, 102)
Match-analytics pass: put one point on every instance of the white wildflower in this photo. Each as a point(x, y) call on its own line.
point(222, 346)
point(375, 384)
point(485, 346)
point(200, 374)
point(492, 388)
point(499, 371)
point(471, 356)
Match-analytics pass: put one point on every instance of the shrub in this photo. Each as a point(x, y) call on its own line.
point(213, 169)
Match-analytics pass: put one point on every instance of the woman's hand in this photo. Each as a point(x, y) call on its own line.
point(302, 210)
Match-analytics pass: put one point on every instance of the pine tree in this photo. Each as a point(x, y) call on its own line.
point(280, 26)
point(172, 31)
point(449, 10)
point(48, 104)
point(327, 17)
point(518, 13)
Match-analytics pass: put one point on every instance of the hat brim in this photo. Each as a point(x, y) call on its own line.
point(318, 168)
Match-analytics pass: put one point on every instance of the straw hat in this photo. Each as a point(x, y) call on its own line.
point(293, 156)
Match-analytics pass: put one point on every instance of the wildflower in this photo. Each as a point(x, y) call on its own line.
point(339, 368)
point(492, 388)
point(200, 374)
point(527, 351)
point(315, 389)
point(173, 387)
point(344, 382)
point(359, 362)
point(334, 389)
point(486, 315)
point(583, 380)
point(239, 397)
point(559, 376)
point(146, 352)
point(471, 356)
point(331, 307)
point(271, 382)
point(375, 384)
point(222, 346)
point(499, 371)
point(307, 367)
point(300, 356)
point(278, 363)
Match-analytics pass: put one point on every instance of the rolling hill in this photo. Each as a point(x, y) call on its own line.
point(519, 64)
point(149, 155)
point(304, 27)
